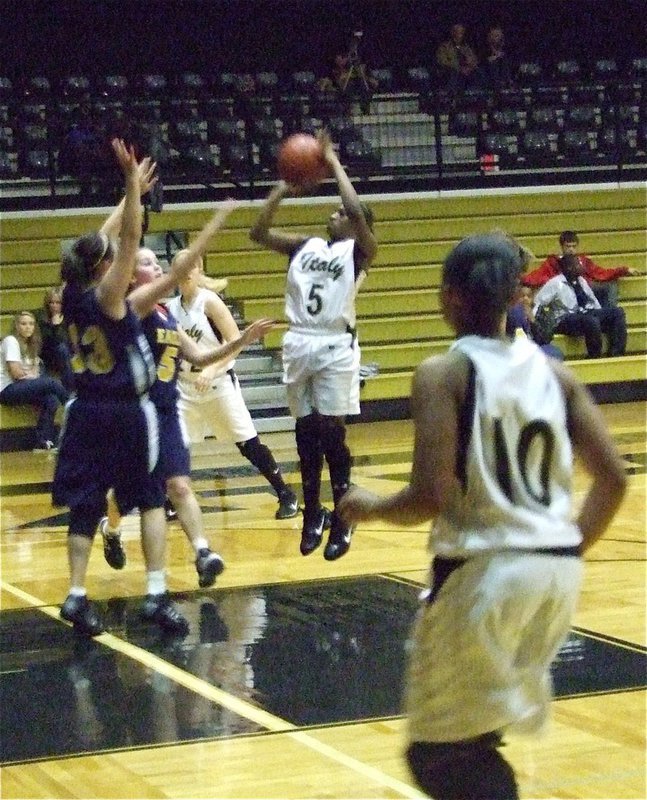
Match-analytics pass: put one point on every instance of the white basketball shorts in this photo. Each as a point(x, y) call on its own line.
point(321, 373)
point(480, 653)
point(219, 412)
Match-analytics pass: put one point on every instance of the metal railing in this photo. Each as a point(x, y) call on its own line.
point(56, 152)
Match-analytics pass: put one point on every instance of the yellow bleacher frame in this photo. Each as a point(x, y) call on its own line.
point(398, 317)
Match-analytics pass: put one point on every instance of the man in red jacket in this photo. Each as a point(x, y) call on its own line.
point(602, 280)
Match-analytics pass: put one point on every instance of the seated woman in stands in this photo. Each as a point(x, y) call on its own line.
point(22, 382)
point(55, 345)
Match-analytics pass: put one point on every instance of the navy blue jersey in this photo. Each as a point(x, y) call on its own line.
point(111, 358)
point(160, 329)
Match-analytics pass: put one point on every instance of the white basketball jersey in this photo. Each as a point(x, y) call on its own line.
point(321, 288)
point(514, 456)
point(194, 321)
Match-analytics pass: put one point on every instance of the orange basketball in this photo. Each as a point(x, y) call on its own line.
point(300, 160)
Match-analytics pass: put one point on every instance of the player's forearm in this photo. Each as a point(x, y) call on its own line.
point(349, 197)
point(144, 298)
point(600, 506)
point(114, 286)
point(260, 228)
point(112, 225)
point(199, 245)
point(402, 508)
point(219, 356)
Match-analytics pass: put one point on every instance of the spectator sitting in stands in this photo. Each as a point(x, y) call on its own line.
point(521, 317)
point(603, 281)
point(337, 76)
point(349, 74)
point(457, 61)
point(583, 315)
point(496, 71)
point(55, 345)
point(21, 381)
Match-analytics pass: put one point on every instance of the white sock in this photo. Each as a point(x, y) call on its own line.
point(156, 581)
point(200, 544)
point(77, 591)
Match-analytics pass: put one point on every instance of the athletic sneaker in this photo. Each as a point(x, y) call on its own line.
point(83, 615)
point(313, 528)
point(288, 505)
point(161, 609)
point(209, 565)
point(338, 539)
point(113, 550)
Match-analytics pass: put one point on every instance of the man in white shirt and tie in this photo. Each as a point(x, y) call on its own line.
point(584, 317)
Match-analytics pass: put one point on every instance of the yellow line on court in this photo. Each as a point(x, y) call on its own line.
point(232, 703)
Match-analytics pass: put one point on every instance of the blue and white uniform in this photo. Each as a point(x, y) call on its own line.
point(506, 568)
point(321, 356)
point(160, 329)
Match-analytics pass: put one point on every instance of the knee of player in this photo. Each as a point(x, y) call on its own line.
point(178, 488)
point(84, 518)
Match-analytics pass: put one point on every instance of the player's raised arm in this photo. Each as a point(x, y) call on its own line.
point(261, 231)
point(362, 231)
point(147, 179)
point(144, 297)
point(114, 284)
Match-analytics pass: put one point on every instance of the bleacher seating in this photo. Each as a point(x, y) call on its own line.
point(399, 321)
point(410, 128)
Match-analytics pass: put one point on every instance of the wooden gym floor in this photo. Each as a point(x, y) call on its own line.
point(288, 684)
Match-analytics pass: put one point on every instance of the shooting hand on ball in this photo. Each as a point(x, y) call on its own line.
point(328, 150)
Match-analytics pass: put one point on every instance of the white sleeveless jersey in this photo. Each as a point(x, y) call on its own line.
point(515, 460)
point(321, 287)
point(196, 324)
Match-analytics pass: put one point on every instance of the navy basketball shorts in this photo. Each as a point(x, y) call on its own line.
point(174, 459)
point(106, 444)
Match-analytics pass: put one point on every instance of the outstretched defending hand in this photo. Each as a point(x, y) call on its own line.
point(146, 172)
point(125, 156)
point(256, 330)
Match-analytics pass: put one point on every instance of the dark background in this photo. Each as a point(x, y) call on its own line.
point(55, 37)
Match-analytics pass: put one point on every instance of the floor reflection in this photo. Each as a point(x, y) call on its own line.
point(311, 653)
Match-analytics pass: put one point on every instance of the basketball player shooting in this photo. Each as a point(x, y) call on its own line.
point(321, 356)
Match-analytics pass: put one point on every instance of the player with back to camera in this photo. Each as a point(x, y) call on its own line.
point(114, 370)
point(169, 344)
point(321, 356)
point(496, 423)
